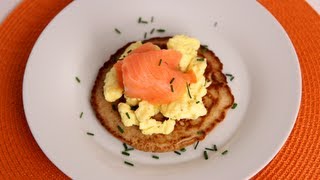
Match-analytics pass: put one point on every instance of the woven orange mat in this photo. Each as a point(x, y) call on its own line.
point(21, 157)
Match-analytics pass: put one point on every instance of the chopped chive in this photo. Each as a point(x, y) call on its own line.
point(197, 102)
point(139, 20)
point(177, 152)
point(90, 134)
point(183, 150)
point(152, 30)
point(229, 75)
point(189, 91)
point(128, 115)
point(129, 51)
point(81, 114)
point(128, 163)
point(209, 149)
point(215, 147)
point(234, 105)
point(171, 80)
point(125, 153)
point(155, 157)
point(205, 46)
point(205, 154)
point(130, 149)
point(195, 147)
point(160, 62)
point(200, 132)
point(152, 19)
point(125, 146)
point(231, 78)
point(171, 88)
point(161, 30)
point(78, 80)
point(144, 22)
point(120, 129)
point(117, 30)
point(145, 35)
point(224, 152)
point(114, 107)
point(200, 59)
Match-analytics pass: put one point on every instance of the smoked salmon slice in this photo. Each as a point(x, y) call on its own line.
point(153, 75)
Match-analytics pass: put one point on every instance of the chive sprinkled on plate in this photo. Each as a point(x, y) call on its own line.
point(205, 155)
point(172, 90)
point(130, 149)
point(200, 59)
point(189, 91)
point(224, 152)
point(145, 35)
point(81, 114)
point(195, 147)
point(209, 149)
point(230, 75)
point(161, 30)
point(120, 129)
point(117, 30)
point(234, 105)
point(197, 102)
point(125, 153)
point(171, 80)
point(231, 78)
point(144, 22)
point(128, 163)
point(139, 20)
point(183, 150)
point(215, 147)
point(77, 79)
point(90, 134)
point(152, 18)
point(155, 157)
point(177, 152)
point(160, 62)
point(127, 114)
point(125, 146)
point(152, 30)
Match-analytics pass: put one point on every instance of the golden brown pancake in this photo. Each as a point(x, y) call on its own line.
point(186, 132)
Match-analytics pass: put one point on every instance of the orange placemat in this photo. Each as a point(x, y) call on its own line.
point(21, 157)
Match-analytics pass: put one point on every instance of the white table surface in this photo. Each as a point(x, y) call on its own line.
point(6, 6)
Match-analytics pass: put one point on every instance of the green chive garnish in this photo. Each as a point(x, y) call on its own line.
point(152, 19)
point(231, 78)
point(171, 88)
point(229, 75)
point(128, 115)
point(195, 147)
point(155, 157)
point(114, 107)
point(90, 134)
point(234, 105)
point(130, 149)
point(120, 129)
point(128, 163)
point(144, 22)
point(139, 20)
point(125, 146)
point(81, 114)
point(205, 46)
point(160, 62)
point(177, 152)
point(161, 30)
point(171, 80)
point(197, 102)
point(145, 35)
point(224, 152)
point(189, 91)
point(152, 30)
point(205, 154)
point(183, 150)
point(78, 80)
point(117, 30)
point(215, 147)
point(209, 149)
point(125, 153)
point(200, 59)
point(129, 51)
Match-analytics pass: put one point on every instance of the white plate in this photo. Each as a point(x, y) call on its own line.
point(250, 43)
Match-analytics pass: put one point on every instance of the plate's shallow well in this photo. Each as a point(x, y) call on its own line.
point(250, 43)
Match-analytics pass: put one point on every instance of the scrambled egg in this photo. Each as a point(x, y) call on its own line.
point(185, 107)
